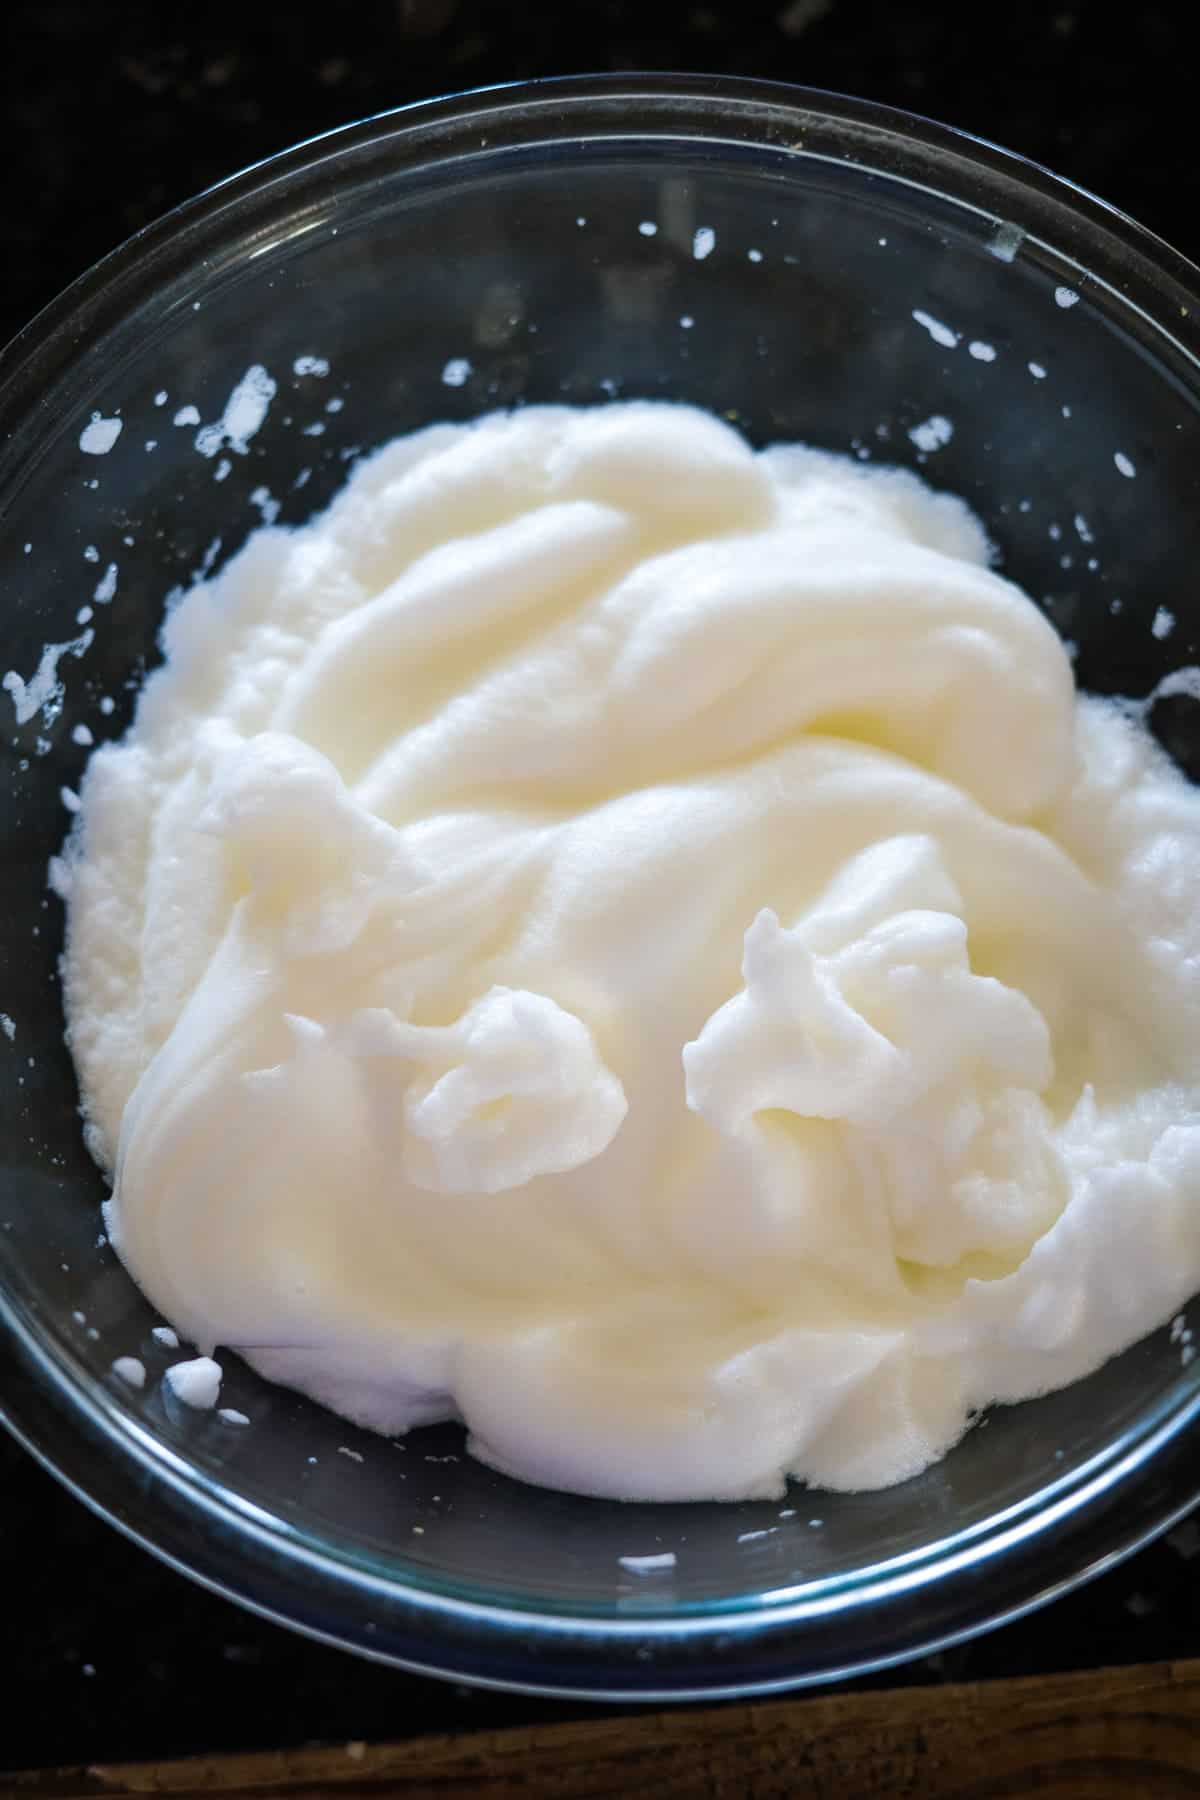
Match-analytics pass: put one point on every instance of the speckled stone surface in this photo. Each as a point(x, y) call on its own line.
point(112, 115)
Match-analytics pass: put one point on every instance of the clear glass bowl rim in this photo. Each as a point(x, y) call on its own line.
point(1082, 1523)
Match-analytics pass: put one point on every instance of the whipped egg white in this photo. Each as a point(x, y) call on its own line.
point(637, 944)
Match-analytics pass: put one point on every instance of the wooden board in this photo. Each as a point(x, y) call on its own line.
point(1127, 1733)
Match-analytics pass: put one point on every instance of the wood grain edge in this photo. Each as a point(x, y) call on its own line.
point(1123, 1732)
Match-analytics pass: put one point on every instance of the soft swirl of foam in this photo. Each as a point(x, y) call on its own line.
point(637, 944)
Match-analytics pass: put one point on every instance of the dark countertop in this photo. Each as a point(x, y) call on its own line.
point(114, 114)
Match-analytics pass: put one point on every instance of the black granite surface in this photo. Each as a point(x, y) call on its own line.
point(111, 114)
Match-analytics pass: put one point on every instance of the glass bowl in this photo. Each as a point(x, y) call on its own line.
point(813, 268)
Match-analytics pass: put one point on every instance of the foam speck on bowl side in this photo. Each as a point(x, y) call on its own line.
point(99, 435)
point(130, 1370)
point(196, 1383)
point(43, 691)
point(243, 416)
